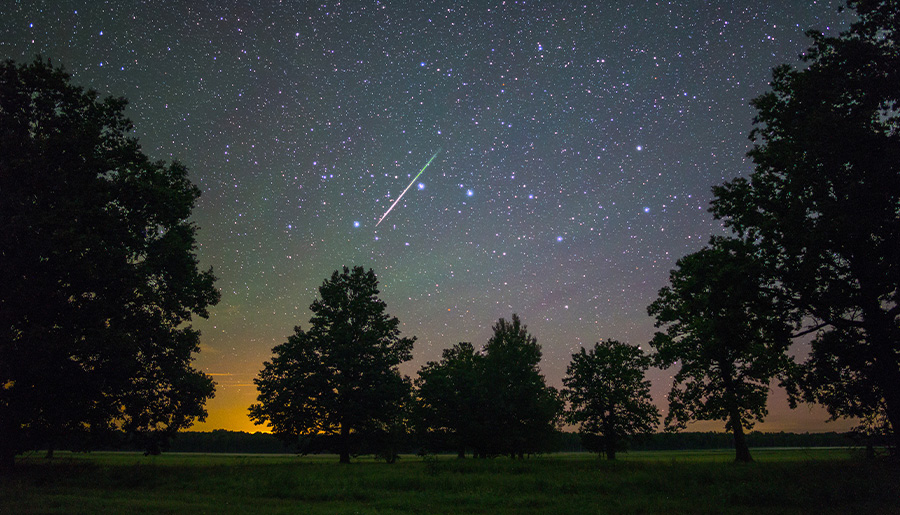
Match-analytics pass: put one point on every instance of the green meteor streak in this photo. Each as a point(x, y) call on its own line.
point(408, 187)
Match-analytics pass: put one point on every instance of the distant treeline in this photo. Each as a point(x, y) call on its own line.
point(221, 441)
point(571, 442)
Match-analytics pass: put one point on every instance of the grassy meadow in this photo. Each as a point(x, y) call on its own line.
point(816, 481)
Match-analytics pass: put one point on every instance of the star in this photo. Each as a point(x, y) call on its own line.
point(294, 125)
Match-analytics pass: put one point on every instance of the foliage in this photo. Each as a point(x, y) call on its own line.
point(98, 273)
point(823, 204)
point(608, 395)
point(519, 412)
point(448, 397)
point(495, 401)
point(341, 376)
point(727, 333)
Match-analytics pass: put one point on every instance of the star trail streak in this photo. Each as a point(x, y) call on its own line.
point(408, 187)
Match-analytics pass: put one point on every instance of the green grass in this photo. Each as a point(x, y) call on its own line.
point(816, 481)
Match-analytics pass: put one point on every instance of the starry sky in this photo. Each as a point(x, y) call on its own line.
point(576, 145)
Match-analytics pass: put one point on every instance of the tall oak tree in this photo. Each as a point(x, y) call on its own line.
point(340, 377)
point(98, 273)
point(609, 396)
point(823, 205)
point(728, 335)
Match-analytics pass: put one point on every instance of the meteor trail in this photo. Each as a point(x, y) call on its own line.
point(408, 187)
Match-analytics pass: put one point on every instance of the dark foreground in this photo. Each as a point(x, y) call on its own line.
point(780, 481)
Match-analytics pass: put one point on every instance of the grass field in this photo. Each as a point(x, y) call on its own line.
point(816, 481)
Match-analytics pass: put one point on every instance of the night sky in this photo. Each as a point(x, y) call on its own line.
point(576, 148)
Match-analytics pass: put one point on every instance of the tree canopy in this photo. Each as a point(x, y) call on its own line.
point(823, 205)
point(98, 272)
point(727, 333)
point(520, 411)
point(340, 377)
point(494, 401)
point(609, 397)
point(448, 398)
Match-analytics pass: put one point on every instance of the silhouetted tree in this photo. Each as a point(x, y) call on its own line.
point(448, 396)
point(728, 334)
point(340, 377)
point(98, 272)
point(822, 204)
point(609, 398)
point(519, 412)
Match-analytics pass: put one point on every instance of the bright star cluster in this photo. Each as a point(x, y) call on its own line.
point(578, 146)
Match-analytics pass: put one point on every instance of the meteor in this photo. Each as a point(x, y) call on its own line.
point(408, 187)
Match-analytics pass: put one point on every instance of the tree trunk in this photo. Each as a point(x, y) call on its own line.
point(892, 405)
point(7, 460)
point(609, 436)
point(8, 446)
point(878, 326)
point(894, 418)
point(742, 452)
point(345, 444)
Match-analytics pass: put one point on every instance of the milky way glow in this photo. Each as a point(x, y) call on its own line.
point(408, 187)
point(293, 119)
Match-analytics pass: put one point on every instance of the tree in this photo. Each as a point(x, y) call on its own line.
point(98, 273)
point(520, 411)
point(340, 377)
point(823, 204)
point(728, 333)
point(448, 396)
point(609, 398)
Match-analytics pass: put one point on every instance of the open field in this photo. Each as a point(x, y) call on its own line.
point(780, 481)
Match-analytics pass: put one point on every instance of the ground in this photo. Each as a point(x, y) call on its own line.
point(816, 481)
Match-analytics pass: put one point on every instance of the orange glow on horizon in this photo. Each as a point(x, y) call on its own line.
point(228, 410)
